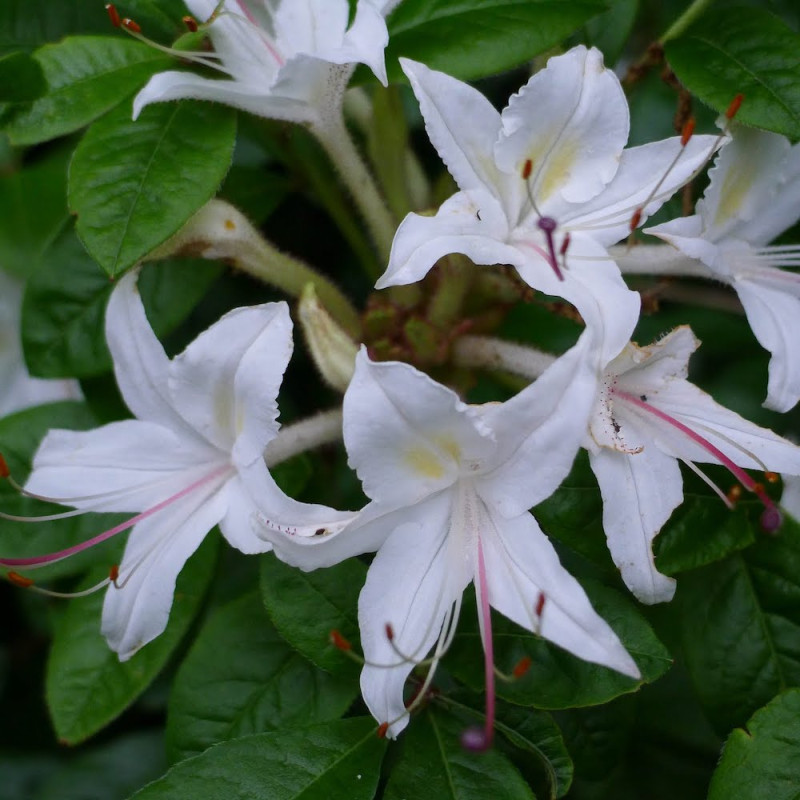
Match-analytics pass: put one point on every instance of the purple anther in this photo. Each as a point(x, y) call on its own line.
point(474, 740)
point(547, 224)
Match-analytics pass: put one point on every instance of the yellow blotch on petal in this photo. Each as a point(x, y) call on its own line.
point(556, 169)
point(733, 192)
point(429, 463)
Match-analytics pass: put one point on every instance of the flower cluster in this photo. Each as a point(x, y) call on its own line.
point(546, 187)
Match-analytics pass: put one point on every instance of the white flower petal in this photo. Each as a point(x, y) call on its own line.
point(607, 218)
point(646, 369)
point(773, 311)
point(140, 364)
point(225, 384)
point(156, 551)
point(143, 462)
point(311, 26)
point(463, 127)
point(472, 223)
point(183, 85)
point(790, 499)
point(538, 433)
point(411, 585)
point(571, 120)
point(405, 434)
point(521, 563)
point(365, 41)
point(640, 492)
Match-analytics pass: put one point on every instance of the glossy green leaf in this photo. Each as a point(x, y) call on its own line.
point(86, 76)
point(740, 627)
point(63, 315)
point(134, 184)
point(306, 606)
point(20, 435)
point(33, 211)
point(557, 679)
point(241, 678)
point(475, 38)
point(750, 52)
point(336, 761)
point(109, 772)
point(762, 761)
point(21, 78)
point(87, 686)
point(609, 32)
point(434, 764)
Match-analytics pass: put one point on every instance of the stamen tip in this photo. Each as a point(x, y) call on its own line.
point(389, 632)
point(688, 130)
point(19, 580)
point(636, 219)
point(339, 642)
point(771, 520)
point(190, 23)
point(5, 472)
point(475, 740)
point(131, 25)
point(113, 15)
point(522, 666)
point(527, 168)
point(733, 108)
point(382, 730)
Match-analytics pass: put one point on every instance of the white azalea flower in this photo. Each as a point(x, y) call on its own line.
point(790, 499)
point(546, 186)
point(192, 459)
point(18, 389)
point(754, 195)
point(288, 62)
point(450, 486)
point(646, 419)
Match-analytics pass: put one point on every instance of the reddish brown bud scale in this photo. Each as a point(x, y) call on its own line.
point(339, 642)
point(5, 472)
point(636, 219)
point(733, 108)
point(113, 15)
point(19, 580)
point(190, 23)
point(527, 168)
point(382, 729)
point(131, 25)
point(772, 477)
point(522, 666)
point(688, 130)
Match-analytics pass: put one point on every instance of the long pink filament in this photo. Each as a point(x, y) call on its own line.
point(737, 471)
point(488, 646)
point(51, 558)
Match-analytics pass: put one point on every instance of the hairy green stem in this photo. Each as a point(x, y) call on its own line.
point(487, 352)
point(657, 259)
point(321, 429)
point(696, 9)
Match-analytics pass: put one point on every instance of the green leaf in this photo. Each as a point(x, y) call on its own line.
point(740, 624)
point(306, 606)
point(63, 313)
point(21, 78)
point(475, 38)
point(703, 530)
point(762, 761)
point(33, 211)
point(20, 435)
point(336, 761)
point(87, 686)
point(750, 52)
point(86, 76)
point(241, 678)
point(609, 32)
point(108, 772)
point(557, 679)
point(434, 764)
point(134, 184)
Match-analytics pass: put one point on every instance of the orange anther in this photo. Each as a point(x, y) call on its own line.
point(113, 573)
point(5, 472)
point(389, 632)
point(382, 728)
point(230, 225)
point(562, 251)
point(636, 219)
point(190, 23)
point(113, 15)
point(522, 666)
point(339, 642)
point(130, 25)
point(527, 168)
point(19, 580)
point(772, 477)
point(540, 604)
point(688, 130)
point(733, 108)
point(734, 493)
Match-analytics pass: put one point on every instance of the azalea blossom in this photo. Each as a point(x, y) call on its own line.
point(753, 195)
point(546, 186)
point(18, 389)
point(288, 62)
point(450, 487)
point(647, 418)
point(192, 458)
